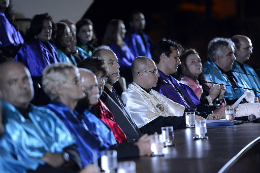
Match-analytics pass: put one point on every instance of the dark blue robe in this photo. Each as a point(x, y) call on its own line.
point(90, 134)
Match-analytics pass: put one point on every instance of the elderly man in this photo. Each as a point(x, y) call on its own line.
point(110, 97)
point(138, 42)
point(243, 50)
point(166, 54)
point(124, 150)
point(34, 135)
point(149, 109)
point(218, 68)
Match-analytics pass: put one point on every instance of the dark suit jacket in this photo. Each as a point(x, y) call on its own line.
point(121, 115)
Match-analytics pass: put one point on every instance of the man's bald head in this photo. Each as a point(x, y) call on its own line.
point(139, 63)
point(91, 88)
point(16, 86)
point(243, 47)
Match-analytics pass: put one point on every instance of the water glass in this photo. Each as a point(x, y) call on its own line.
point(200, 129)
point(109, 160)
point(229, 112)
point(157, 144)
point(126, 167)
point(168, 135)
point(190, 119)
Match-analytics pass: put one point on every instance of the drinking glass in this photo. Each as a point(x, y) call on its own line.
point(168, 135)
point(200, 129)
point(126, 167)
point(109, 160)
point(229, 112)
point(157, 144)
point(190, 119)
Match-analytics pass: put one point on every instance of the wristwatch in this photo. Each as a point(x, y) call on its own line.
point(66, 156)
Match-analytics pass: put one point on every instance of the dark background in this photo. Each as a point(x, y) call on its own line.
point(193, 23)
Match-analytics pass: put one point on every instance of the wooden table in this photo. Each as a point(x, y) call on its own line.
point(202, 156)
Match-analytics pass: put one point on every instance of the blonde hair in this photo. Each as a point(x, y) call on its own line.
point(55, 75)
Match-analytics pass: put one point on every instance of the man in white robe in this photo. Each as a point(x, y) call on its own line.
point(149, 109)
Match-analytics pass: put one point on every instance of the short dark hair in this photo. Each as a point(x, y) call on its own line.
point(36, 25)
point(130, 17)
point(164, 46)
point(94, 64)
point(216, 45)
point(236, 42)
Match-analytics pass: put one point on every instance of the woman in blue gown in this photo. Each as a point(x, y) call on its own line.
point(10, 38)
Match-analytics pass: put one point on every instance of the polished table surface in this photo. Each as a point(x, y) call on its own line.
point(203, 156)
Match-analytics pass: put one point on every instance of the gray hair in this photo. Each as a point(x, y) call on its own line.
point(97, 51)
point(216, 47)
point(55, 75)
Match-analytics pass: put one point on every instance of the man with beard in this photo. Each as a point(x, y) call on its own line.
point(243, 50)
point(149, 109)
point(218, 68)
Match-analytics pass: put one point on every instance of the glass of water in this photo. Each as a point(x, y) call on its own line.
point(200, 129)
point(229, 112)
point(126, 167)
point(190, 119)
point(168, 135)
point(157, 144)
point(109, 160)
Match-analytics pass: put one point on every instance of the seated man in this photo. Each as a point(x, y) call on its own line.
point(243, 50)
point(100, 110)
point(34, 138)
point(110, 97)
point(165, 54)
point(149, 109)
point(62, 83)
point(218, 68)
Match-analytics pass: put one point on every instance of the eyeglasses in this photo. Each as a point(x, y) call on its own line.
point(155, 71)
point(248, 48)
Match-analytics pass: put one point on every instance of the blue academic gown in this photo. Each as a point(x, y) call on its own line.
point(251, 78)
point(64, 58)
point(8, 34)
point(136, 44)
point(36, 56)
point(90, 133)
point(213, 73)
point(29, 139)
point(166, 88)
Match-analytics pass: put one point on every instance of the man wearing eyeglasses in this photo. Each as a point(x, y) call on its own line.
point(243, 50)
point(165, 54)
point(149, 109)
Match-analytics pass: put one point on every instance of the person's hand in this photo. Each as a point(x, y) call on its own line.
point(89, 169)
point(214, 91)
point(122, 83)
point(213, 117)
point(222, 91)
point(197, 117)
point(144, 145)
point(219, 113)
point(53, 159)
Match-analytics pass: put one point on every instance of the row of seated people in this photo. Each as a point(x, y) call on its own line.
point(70, 42)
point(75, 101)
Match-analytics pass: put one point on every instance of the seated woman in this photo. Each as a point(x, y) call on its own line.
point(86, 38)
point(37, 52)
point(114, 38)
point(76, 51)
point(190, 73)
point(100, 110)
point(62, 82)
point(10, 38)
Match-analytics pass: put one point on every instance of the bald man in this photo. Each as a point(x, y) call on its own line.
point(34, 135)
point(149, 109)
point(243, 50)
point(110, 96)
